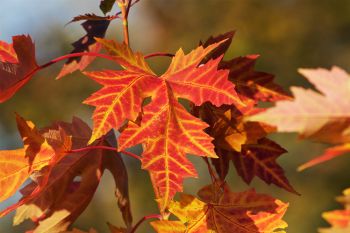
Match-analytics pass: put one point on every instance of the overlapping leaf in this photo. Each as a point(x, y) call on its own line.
point(338, 219)
point(323, 117)
point(242, 142)
point(245, 212)
point(166, 143)
point(123, 92)
point(64, 197)
point(167, 131)
point(18, 165)
point(93, 28)
point(17, 61)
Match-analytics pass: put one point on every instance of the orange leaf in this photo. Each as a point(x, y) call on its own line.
point(125, 56)
point(7, 53)
point(314, 115)
point(329, 154)
point(167, 130)
point(120, 98)
point(16, 62)
point(123, 92)
point(73, 182)
point(18, 165)
point(339, 219)
point(246, 212)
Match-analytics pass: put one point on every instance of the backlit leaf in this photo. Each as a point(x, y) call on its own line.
point(17, 61)
point(323, 117)
point(328, 154)
point(242, 142)
point(167, 131)
point(73, 182)
point(120, 98)
point(245, 212)
point(18, 165)
point(125, 56)
point(338, 219)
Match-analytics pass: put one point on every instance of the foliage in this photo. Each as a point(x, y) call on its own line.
point(201, 105)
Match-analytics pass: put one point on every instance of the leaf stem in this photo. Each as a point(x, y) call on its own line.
point(213, 177)
point(64, 57)
point(67, 56)
point(151, 216)
point(159, 55)
point(103, 148)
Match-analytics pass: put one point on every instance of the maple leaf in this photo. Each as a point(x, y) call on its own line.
point(330, 153)
point(259, 86)
point(56, 206)
point(338, 219)
point(132, 61)
point(221, 49)
point(123, 92)
point(257, 159)
point(245, 212)
point(18, 165)
point(315, 115)
point(167, 130)
point(17, 62)
point(244, 142)
point(93, 28)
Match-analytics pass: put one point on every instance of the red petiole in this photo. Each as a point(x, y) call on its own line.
point(103, 148)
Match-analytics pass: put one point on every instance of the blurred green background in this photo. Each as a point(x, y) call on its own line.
point(287, 33)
